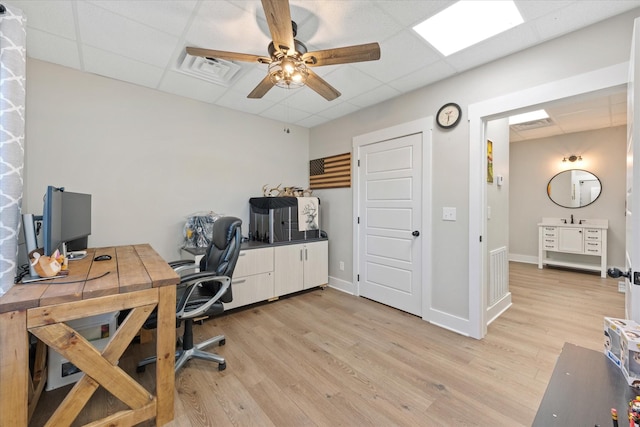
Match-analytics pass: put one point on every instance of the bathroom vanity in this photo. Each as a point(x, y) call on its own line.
point(581, 245)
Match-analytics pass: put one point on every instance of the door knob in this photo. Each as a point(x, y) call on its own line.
point(415, 233)
point(616, 272)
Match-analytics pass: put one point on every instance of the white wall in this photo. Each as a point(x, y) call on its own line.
point(148, 158)
point(498, 196)
point(595, 47)
point(535, 162)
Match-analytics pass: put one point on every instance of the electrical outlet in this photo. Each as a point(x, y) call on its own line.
point(341, 265)
point(448, 214)
point(622, 287)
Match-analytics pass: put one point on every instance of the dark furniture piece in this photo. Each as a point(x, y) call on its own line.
point(203, 293)
point(275, 220)
point(584, 386)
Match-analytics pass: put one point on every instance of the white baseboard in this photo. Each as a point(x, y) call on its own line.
point(498, 308)
point(450, 322)
point(342, 285)
point(527, 259)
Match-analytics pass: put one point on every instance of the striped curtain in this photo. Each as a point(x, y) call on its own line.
point(12, 112)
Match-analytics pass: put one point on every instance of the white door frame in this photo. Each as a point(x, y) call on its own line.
point(481, 112)
point(425, 127)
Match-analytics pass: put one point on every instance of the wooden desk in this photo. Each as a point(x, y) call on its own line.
point(138, 279)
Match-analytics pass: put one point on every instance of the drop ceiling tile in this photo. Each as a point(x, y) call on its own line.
point(224, 26)
point(167, 16)
point(307, 100)
point(410, 13)
point(52, 48)
point(499, 46)
point(400, 55)
point(284, 114)
point(577, 15)
point(55, 17)
point(619, 119)
point(592, 119)
point(118, 67)
point(375, 96)
point(312, 121)
point(423, 77)
point(346, 23)
point(191, 87)
point(350, 81)
point(534, 9)
point(339, 110)
point(114, 33)
point(239, 101)
point(540, 132)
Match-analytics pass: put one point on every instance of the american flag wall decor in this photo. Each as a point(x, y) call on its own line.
point(330, 172)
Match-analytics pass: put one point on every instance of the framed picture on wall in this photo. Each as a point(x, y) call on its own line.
point(489, 160)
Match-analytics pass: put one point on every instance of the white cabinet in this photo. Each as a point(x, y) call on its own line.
point(267, 272)
point(253, 278)
point(316, 264)
point(586, 243)
point(571, 240)
point(300, 266)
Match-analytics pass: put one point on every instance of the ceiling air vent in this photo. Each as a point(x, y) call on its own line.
point(534, 124)
point(213, 70)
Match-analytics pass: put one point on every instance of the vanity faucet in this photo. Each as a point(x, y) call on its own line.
point(571, 218)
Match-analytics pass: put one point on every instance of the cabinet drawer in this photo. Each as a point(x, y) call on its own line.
point(254, 261)
point(550, 231)
point(549, 244)
point(592, 248)
point(250, 289)
point(592, 233)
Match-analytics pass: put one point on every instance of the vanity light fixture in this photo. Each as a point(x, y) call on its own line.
point(572, 158)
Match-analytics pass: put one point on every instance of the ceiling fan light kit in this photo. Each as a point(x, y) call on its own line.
point(289, 62)
point(288, 73)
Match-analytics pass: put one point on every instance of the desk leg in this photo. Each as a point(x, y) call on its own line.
point(14, 369)
point(166, 347)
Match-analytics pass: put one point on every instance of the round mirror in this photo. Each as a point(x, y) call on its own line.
point(574, 188)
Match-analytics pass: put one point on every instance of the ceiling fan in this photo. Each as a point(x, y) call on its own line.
point(288, 60)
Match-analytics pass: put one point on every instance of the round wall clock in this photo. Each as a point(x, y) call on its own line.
point(449, 115)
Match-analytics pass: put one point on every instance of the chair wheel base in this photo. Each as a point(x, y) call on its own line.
point(223, 341)
point(222, 366)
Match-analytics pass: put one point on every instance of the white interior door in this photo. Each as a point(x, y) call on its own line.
point(390, 191)
point(632, 295)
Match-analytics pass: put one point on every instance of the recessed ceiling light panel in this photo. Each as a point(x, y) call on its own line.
point(528, 117)
point(466, 23)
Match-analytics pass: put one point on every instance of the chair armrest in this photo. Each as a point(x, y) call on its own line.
point(192, 281)
point(182, 265)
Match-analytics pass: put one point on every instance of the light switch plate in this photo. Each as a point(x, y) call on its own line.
point(448, 214)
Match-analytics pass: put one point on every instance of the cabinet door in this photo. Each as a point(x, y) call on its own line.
point(316, 264)
point(249, 289)
point(571, 240)
point(288, 268)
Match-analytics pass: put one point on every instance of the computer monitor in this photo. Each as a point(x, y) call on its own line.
point(52, 220)
point(76, 217)
point(66, 217)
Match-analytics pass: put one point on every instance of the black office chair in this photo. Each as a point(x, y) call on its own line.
point(203, 294)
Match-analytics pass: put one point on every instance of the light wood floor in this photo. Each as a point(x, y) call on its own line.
point(325, 358)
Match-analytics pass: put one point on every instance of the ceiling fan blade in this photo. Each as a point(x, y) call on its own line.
point(229, 56)
point(279, 20)
point(263, 87)
point(343, 55)
point(323, 88)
